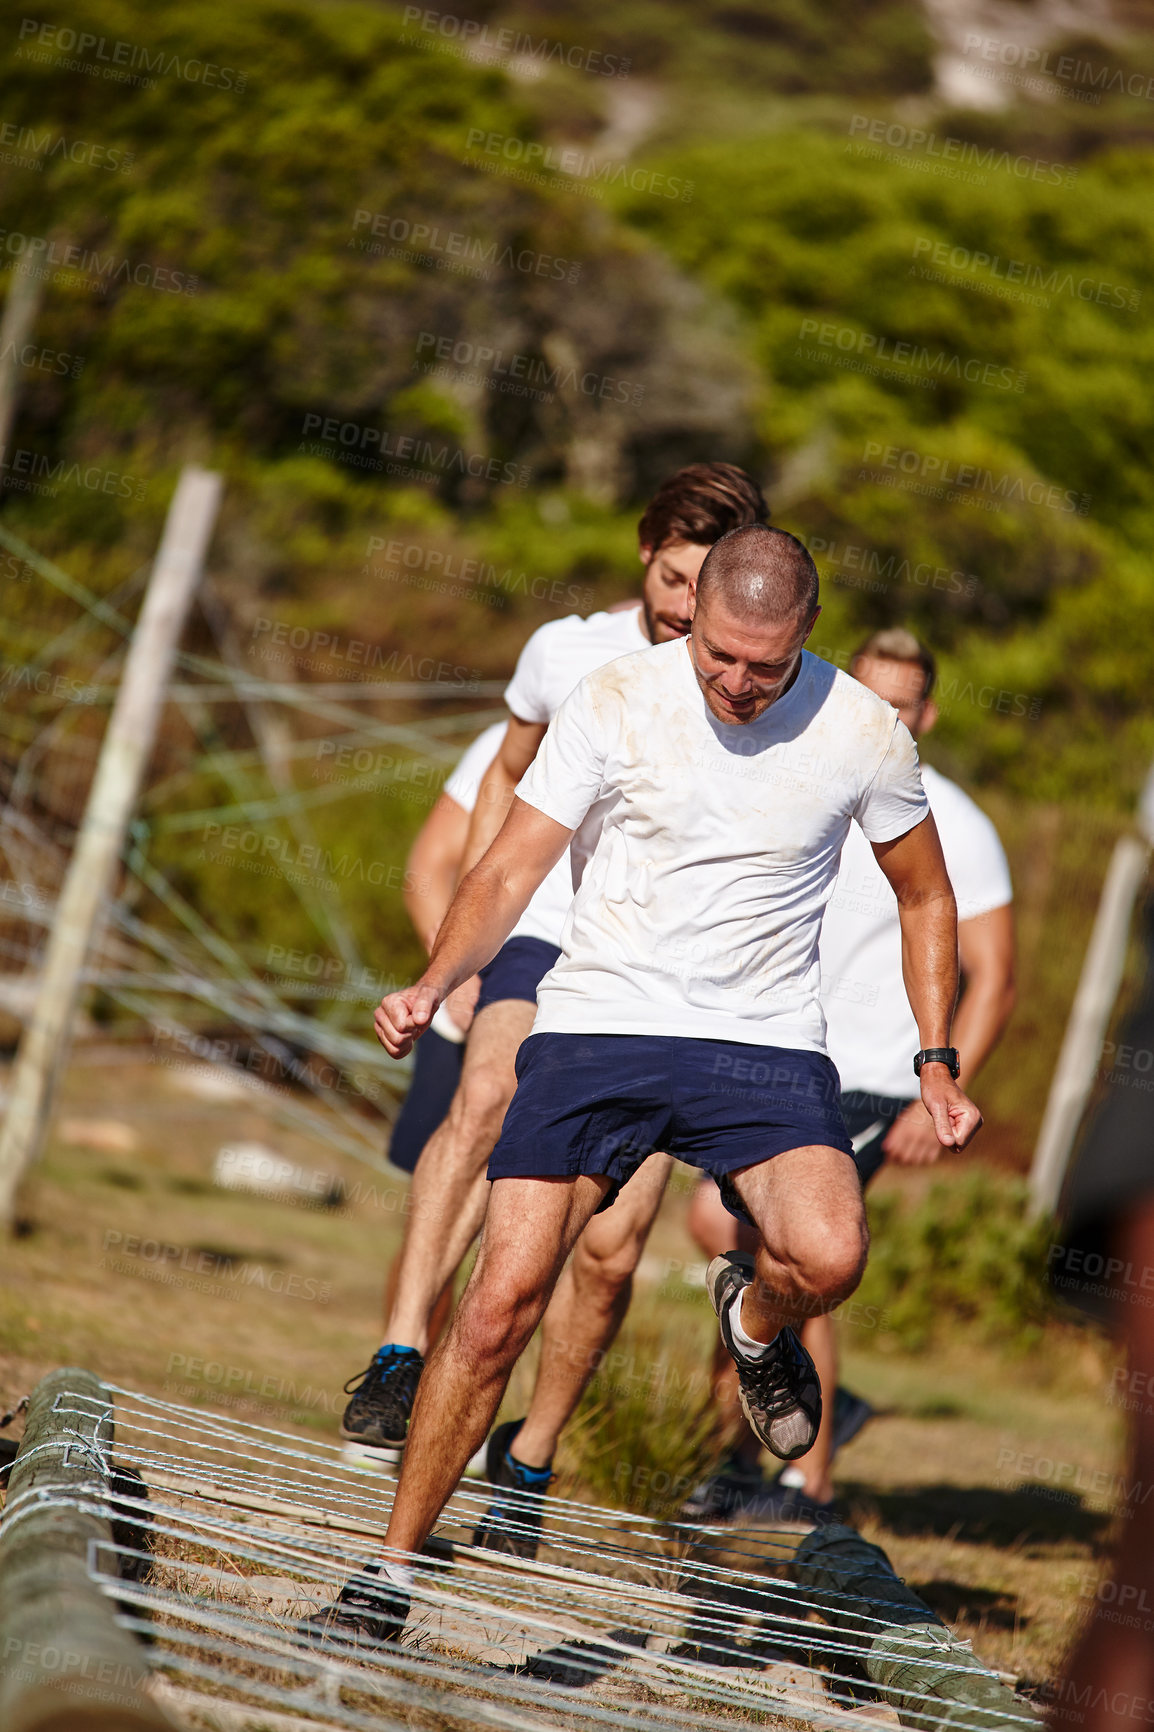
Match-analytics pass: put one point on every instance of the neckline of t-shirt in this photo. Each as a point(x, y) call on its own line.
point(777, 709)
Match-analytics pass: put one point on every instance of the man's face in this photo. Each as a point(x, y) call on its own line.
point(901, 684)
point(670, 571)
point(743, 665)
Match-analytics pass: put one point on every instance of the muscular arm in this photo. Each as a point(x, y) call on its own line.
point(917, 874)
point(916, 870)
point(432, 867)
point(495, 795)
point(489, 901)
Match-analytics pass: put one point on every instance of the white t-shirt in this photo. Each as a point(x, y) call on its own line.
point(464, 783)
point(554, 660)
point(545, 915)
point(871, 1029)
point(559, 655)
point(705, 851)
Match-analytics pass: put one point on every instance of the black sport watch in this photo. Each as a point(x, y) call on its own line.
point(947, 1055)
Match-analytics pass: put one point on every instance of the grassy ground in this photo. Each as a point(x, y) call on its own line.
point(988, 1476)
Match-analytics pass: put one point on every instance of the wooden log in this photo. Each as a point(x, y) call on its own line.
point(904, 1649)
point(65, 1663)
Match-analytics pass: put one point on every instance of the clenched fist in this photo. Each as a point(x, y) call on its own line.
point(402, 1018)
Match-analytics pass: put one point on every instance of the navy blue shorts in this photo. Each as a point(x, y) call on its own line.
point(600, 1103)
point(436, 1072)
point(862, 1113)
point(517, 970)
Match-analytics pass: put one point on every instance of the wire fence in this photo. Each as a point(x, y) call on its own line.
point(233, 1534)
point(162, 959)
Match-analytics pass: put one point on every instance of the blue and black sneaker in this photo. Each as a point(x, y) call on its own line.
point(383, 1395)
point(512, 1522)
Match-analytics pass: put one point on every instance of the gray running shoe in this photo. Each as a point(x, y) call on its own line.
point(779, 1391)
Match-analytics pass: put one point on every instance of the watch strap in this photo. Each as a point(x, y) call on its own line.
point(947, 1055)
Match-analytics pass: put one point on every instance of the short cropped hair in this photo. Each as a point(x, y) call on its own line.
point(760, 572)
point(699, 504)
point(896, 644)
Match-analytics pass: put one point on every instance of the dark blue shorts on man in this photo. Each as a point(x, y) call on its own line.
point(600, 1103)
point(515, 972)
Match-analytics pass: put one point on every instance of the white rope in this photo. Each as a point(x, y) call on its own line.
point(644, 1628)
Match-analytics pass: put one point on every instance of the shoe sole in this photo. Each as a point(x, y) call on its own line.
point(372, 1457)
point(352, 1629)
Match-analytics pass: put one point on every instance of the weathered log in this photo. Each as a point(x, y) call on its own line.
point(66, 1665)
point(907, 1653)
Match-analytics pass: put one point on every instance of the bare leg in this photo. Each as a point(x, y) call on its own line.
point(808, 1208)
point(450, 1190)
point(441, 1309)
point(715, 1230)
point(530, 1228)
point(587, 1309)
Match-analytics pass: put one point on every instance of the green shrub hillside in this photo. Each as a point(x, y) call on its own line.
point(955, 401)
point(961, 1257)
point(261, 245)
point(444, 314)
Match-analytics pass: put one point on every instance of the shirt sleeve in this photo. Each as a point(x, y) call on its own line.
point(894, 800)
point(468, 773)
point(976, 862)
point(527, 693)
point(566, 776)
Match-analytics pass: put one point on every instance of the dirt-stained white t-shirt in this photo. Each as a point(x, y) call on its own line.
point(705, 850)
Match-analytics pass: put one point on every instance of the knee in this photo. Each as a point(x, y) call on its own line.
point(827, 1259)
point(605, 1271)
point(842, 1266)
point(479, 1105)
point(494, 1322)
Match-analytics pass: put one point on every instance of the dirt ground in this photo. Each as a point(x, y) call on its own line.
point(991, 1481)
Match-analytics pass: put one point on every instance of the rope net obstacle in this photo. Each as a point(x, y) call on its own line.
point(202, 1542)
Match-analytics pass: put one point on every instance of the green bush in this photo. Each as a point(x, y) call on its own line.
point(644, 1432)
point(963, 1256)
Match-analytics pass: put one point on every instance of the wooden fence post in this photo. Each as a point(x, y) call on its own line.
point(124, 755)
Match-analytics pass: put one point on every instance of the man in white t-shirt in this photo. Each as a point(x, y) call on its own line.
point(707, 786)
point(687, 515)
point(869, 1031)
point(431, 873)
